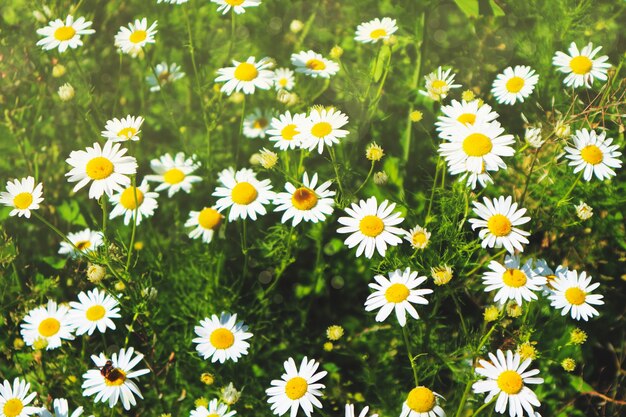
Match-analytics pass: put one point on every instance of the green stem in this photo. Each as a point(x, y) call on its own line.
point(59, 233)
point(333, 159)
point(369, 174)
point(562, 200)
point(485, 405)
point(530, 172)
point(419, 43)
point(432, 191)
point(103, 205)
point(232, 35)
point(405, 334)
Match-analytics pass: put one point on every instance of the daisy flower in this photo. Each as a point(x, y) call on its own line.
point(222, 338)
point(572, 294)
point(418, 237)
point(284, 130)
point(61, 409)
point(46, 324)
point(118, 383)
point(128, 128)
point(136, 202)
point(322, 127)
point(94, 309)
point(439, 84)
point(83, 242)
point(498, 218)
point(376, 30)
point(173, 173)
point(205, 223)
point(313, 64)
point(23, 196)
point(243, 193)
point(422, 402)
point(105, 167)
point(284, 79)
point(256, 124)
point(514, 84)
point(350, 411)
point(397, 293)
point(132, 39)
point(214, 409)
point(506, 378)
point(580, 66)
point(462, 113)
point(480, 147)
point(593, 153)
point(63, 35)
point(14, 400)
point(164, 74)
point(512, 280)
point(246, 76)
point(296, 388)
point(371, 227)
point(308, 202)
point(238, 6)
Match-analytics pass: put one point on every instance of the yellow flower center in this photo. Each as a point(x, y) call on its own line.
point(315, 64)
point(234, 2)
point(510, 382)
point(550, 279)
point(138, 36)
point(580, 65)
point(515, 84)
point(371, 226)
point(296, 387)
point(438, 84)
point(467, 118)
point(419, 239)
point(83, 244)
point(282, 82)
point(22, 200)
point(321, 129)
point(173, 176)
point(127, 132)
point(289, 132)
point(421, 400)
point(164, 76)
point(514, 278)
point(397, 293)
point(213, 415)
point(13, 407)
point(127, 200)
point(95, 313)
point(378, 33)
point(209, 218)
point(304, 199)
point(246, 72)
point(499, 225)
point(575, 296)
point(477, 144)
point(99, 168)
point(222, 338)
point(260, 123)
point(244, 193)
point(591, 154)
point(120, 377)
point(49, 327)
point(64, 33)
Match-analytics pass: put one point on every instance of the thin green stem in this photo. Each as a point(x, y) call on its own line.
point(333, 159)
point(530, 172)
point(58, 232)
point(405, 334)
point(432, 191)
point(369, 174)
point(103, 205)
point(569, 191)
point(485, 405)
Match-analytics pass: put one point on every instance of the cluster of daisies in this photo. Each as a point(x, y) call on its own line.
point(474, 145)
point(48, 326)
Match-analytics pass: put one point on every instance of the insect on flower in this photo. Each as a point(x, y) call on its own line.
point(110, 372)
